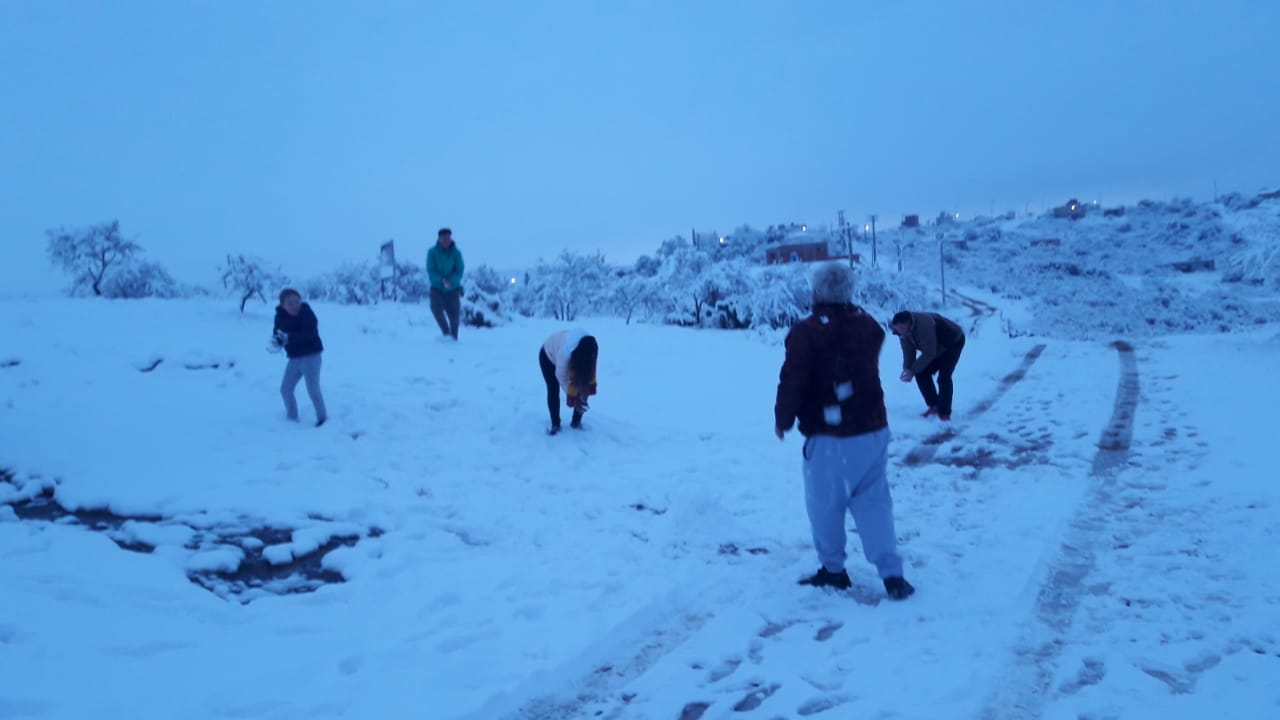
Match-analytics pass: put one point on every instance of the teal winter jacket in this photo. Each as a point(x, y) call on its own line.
point(444, 265)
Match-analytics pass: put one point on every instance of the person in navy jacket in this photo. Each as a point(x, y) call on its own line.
point(297, 331)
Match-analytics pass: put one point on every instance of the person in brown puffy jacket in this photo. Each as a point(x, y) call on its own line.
point(830, 384)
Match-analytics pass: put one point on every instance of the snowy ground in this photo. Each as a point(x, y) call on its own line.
point(1094, 537)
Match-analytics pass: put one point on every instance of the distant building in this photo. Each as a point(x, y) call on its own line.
point(911, 221)
point(1073, 209)
point(797, 252)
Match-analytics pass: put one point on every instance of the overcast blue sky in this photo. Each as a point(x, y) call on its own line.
point(309, 132)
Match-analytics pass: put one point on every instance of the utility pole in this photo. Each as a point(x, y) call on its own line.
point(846, 234)
point(942, 269)
point(874, 259)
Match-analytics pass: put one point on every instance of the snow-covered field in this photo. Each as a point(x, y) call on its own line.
point(1093, 537)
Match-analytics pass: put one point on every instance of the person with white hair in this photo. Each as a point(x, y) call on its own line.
point(830, 385)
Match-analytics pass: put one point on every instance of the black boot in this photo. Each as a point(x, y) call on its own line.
point(576, 422)
point(898, 588)
point(825, 578)
point(555, 429)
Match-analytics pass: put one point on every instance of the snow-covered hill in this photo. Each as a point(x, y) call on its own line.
point(1157, 268)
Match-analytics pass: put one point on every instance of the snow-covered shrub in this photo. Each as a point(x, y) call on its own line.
point(351, 284)
point(410, 283)
point(1258, 265)
point(140, 280)
point(485, 298)
point(482, 309)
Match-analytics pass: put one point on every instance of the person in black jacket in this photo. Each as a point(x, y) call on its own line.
point(298, 331)
point(930, 344)
point(830, 383)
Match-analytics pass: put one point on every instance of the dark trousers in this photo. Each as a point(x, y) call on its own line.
point(446, 306)
point(553, 390)
point(944, 365)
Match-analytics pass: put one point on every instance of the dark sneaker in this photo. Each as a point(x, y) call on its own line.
point(930, 412)
point(825, 578)
point(944, 417)
point(555, 429)
point(321, 421)
point(898, 588)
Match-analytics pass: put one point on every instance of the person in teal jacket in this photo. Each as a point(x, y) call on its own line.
point(444, 268)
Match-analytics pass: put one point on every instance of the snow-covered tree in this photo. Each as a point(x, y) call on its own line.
point(89, 254)
point(688, 295)
point(775, 297)
point(573, 284)
point(248, 277)
point(632, 292)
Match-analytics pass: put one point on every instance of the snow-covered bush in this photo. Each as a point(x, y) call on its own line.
point(351, 284)
point(410, 283)
point(482, 309)
point(484, 302)
point(141, 279)
point(1258, 265)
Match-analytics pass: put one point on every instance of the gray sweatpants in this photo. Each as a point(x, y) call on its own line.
point(307, 366)
point(847, 474)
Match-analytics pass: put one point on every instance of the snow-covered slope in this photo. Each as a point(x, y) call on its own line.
point(1159, 268)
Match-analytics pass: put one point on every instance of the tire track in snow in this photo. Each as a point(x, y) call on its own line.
point(1029, 681)
point(928, 447)
point(590, 684)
